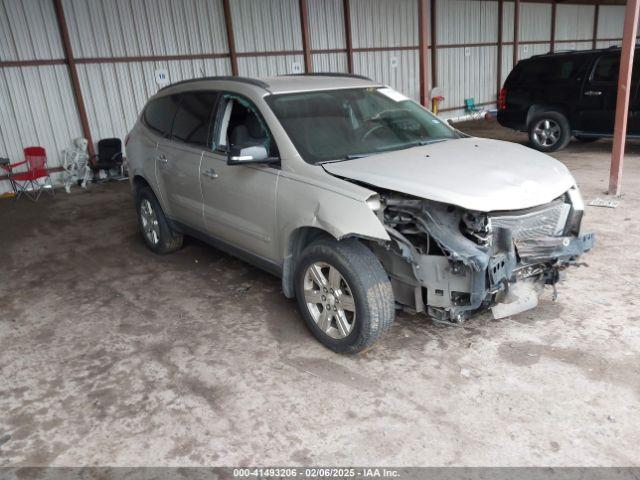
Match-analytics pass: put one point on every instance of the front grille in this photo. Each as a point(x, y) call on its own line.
point(546, 221)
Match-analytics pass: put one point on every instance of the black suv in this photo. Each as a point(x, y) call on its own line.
point(555, 96)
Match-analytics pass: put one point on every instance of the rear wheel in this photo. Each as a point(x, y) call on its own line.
point(549, 131)
point(344, 295)
point(153, 224)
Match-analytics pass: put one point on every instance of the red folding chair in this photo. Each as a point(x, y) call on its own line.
point(36, 179)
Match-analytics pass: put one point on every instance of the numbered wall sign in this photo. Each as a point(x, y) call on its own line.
point(162, 77)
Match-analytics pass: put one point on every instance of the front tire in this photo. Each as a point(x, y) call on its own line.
point(549, 131)
point(153, 224)
point(344, 295)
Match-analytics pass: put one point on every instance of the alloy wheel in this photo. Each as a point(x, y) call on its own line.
point(150, 226)
point(546, 133)
point(329, 300)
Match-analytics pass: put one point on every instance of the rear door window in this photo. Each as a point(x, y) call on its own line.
point(193, 122)
point(606, 69)
point(159, 114)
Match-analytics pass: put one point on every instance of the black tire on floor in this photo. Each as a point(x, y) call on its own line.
point(555, 120)
point(168, 239)
point(582, 139)
point(370, 291)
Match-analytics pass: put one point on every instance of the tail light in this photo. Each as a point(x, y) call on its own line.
point(502, 99)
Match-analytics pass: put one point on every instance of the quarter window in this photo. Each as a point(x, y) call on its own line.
point(159, 114)
point(194, 118)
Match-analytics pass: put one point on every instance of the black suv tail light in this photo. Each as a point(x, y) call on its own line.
point(502, 99)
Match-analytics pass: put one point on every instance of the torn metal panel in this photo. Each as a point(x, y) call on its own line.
point(459, 261)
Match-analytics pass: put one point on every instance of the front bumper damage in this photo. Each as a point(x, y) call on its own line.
point(451, 263)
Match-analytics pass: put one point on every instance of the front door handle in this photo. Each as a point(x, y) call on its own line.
point(163, 159)
point(211, 173)
point(593, 93)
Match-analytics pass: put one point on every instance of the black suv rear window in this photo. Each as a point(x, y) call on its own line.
point(545, 70)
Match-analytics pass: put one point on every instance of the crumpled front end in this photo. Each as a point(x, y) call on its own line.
point(452, 262)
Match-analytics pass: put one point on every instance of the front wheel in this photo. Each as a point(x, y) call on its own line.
point(344, 295)
point(155, 229)
point(549, 131)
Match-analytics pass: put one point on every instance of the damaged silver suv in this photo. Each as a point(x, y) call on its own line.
point(357, 197)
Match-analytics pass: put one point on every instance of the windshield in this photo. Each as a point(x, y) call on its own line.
point(344, 124)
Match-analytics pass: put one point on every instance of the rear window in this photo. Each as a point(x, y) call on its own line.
point(545, 70)
point(158, 115)
point(192, 123)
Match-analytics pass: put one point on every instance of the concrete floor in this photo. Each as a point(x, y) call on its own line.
point(111, 355)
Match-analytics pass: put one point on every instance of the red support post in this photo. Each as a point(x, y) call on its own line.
point(346, 10)
point(306, 38)
point(423, 25)
point(624, 84)
point(554, 8)
point(73, 73)
point(516, 31)
point(233, 56)
point(500, 41)
point(434, 39)
point(596, 14)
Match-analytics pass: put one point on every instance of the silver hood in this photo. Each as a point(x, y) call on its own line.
point(473, 173)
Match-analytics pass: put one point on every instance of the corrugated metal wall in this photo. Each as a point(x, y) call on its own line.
point(384, 24)
point(466, 71)
point(327, 32)
point(119, 44)
point(36, 103)
point(610, 22)
point(116, 91)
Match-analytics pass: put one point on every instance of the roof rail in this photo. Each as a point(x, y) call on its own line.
point(226, 78)
point(327, 74)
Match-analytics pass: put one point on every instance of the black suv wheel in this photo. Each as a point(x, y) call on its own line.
point(549, 131)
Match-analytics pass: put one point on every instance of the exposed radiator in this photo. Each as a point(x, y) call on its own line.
point(546, 221)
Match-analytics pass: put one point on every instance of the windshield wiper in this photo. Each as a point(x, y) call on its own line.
point(421, 143)
point(392, 148)
point(351, 156)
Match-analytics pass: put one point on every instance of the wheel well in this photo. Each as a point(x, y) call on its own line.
point(535, 109)
point(298, 241)
point(138, 183)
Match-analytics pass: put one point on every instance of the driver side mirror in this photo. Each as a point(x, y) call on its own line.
point(244, 155)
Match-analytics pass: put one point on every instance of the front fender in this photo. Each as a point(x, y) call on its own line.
point(306, 204)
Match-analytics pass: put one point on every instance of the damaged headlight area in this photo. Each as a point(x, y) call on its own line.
point(450, 262)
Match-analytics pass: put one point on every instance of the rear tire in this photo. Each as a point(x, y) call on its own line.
point(153, 224)
point(549, 131)
point(344, 295)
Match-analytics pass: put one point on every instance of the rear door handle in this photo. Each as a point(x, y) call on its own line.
point(211, 173)
point(593, 93)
